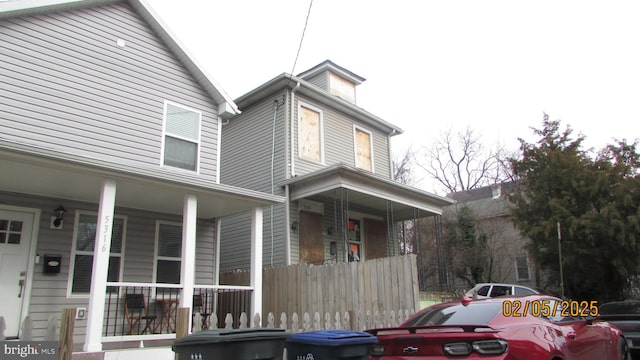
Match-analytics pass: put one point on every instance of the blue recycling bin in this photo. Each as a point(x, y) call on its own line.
point(330, 345)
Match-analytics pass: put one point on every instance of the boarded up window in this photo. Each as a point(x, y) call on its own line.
point(363, 150)
point(341, 87)
point(310, 146)
point(311, 241)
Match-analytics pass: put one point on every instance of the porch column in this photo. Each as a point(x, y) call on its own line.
point(256, 263)
point(102, 247)
point(188, 266)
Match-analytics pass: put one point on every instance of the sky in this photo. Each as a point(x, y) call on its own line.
point(437, 65)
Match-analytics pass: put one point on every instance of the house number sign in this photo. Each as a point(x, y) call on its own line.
point(105, 231)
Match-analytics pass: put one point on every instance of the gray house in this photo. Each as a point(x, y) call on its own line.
point(303, 137)
point(507, 249)
point(110, 192)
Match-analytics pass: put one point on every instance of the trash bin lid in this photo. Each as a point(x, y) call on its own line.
point(332, 337)
point(229, 335)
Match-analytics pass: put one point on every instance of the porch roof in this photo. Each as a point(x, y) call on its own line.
point(368, 191)
point(53, 173)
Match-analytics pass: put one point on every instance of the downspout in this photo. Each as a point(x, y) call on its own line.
point(291, 153)
point(393, 132)
point(292, 173)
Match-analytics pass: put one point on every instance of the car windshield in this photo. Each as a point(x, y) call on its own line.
point(458, 314)
point(620, 308)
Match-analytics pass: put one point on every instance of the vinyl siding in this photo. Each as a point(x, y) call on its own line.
point(339, 144)
point(235, 232)
point(247, 146)
point(66, 85)
point(320, 80)
point(49, 291)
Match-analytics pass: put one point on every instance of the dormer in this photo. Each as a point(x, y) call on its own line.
point(334, 79)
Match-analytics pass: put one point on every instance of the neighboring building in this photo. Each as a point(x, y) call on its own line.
point(511, 262)
point(108, 121)
point(303, 137)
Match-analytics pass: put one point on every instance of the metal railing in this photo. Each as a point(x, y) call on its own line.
point(148, 311)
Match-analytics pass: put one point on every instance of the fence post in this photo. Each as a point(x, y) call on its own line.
point(182, 324)
point(67, 319)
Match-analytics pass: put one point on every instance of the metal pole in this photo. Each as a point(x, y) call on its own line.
point(560, 260)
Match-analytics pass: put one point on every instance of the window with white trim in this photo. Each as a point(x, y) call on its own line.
point(522, 268)
point(363, 147)
point(310, 134)
point(168, 252)
point(84, 237)
point(181, 138)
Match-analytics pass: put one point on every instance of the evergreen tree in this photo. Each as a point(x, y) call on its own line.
point(596, 202)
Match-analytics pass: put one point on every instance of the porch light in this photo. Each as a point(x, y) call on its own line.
point(60, 211)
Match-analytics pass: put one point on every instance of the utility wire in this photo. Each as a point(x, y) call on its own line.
point(301, 39)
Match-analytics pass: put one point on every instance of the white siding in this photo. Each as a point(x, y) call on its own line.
point(66, 85)
point(49, 291)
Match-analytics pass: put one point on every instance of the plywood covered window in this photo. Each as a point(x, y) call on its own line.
point(310, 134)
point(363, 148)
point(181, 139)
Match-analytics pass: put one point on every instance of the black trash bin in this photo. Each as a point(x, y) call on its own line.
point(329, 345)
point(241, 344)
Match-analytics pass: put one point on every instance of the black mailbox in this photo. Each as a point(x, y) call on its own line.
point(52, 263)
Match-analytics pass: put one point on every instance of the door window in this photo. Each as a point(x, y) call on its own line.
point(10, 231)
point(355, 240)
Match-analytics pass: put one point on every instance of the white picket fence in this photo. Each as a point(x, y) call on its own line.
point(348, 320)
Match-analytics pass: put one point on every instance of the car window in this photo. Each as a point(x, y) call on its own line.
point(499, 290)
point(484, 291)
point(457, 314)
point(524, 291)
point(627, 308)
point(547, 306)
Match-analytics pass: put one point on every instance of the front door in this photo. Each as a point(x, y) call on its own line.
point(15, 239)
point(311, 240)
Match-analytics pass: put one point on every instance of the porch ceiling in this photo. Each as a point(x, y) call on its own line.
point(368, 191)
point(66, 176)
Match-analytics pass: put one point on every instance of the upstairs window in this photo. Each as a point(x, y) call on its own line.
point(181, 141)
point(310, 134)
point(522, 268)
point(363, 148)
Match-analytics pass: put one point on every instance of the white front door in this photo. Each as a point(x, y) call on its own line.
point(15, 239)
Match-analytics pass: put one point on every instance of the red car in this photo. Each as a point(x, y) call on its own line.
point(536, 327)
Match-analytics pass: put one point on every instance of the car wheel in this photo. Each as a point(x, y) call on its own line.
point(624, 352)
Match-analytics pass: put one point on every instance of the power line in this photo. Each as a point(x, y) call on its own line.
point(302, 38)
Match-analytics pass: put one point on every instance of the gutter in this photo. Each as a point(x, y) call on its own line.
point(291, 152)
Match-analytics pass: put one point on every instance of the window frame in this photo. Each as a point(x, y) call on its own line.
point(75, 252)
point(156, 248)
point(357, 128)
point(316, 109)
point(518, 277)
point(198, 142)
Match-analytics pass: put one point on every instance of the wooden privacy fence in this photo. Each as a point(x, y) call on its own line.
point(379, 286)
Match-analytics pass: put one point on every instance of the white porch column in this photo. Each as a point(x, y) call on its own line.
point(102, 247)
point(188, 266)
point(256, 262)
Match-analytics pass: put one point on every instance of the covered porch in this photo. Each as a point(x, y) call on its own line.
point(124, 209)
point(343, 214)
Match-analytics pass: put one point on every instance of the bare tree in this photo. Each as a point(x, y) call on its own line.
point(460, 161)
point(403, 165)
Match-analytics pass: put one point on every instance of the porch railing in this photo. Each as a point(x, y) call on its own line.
point(148, 311)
